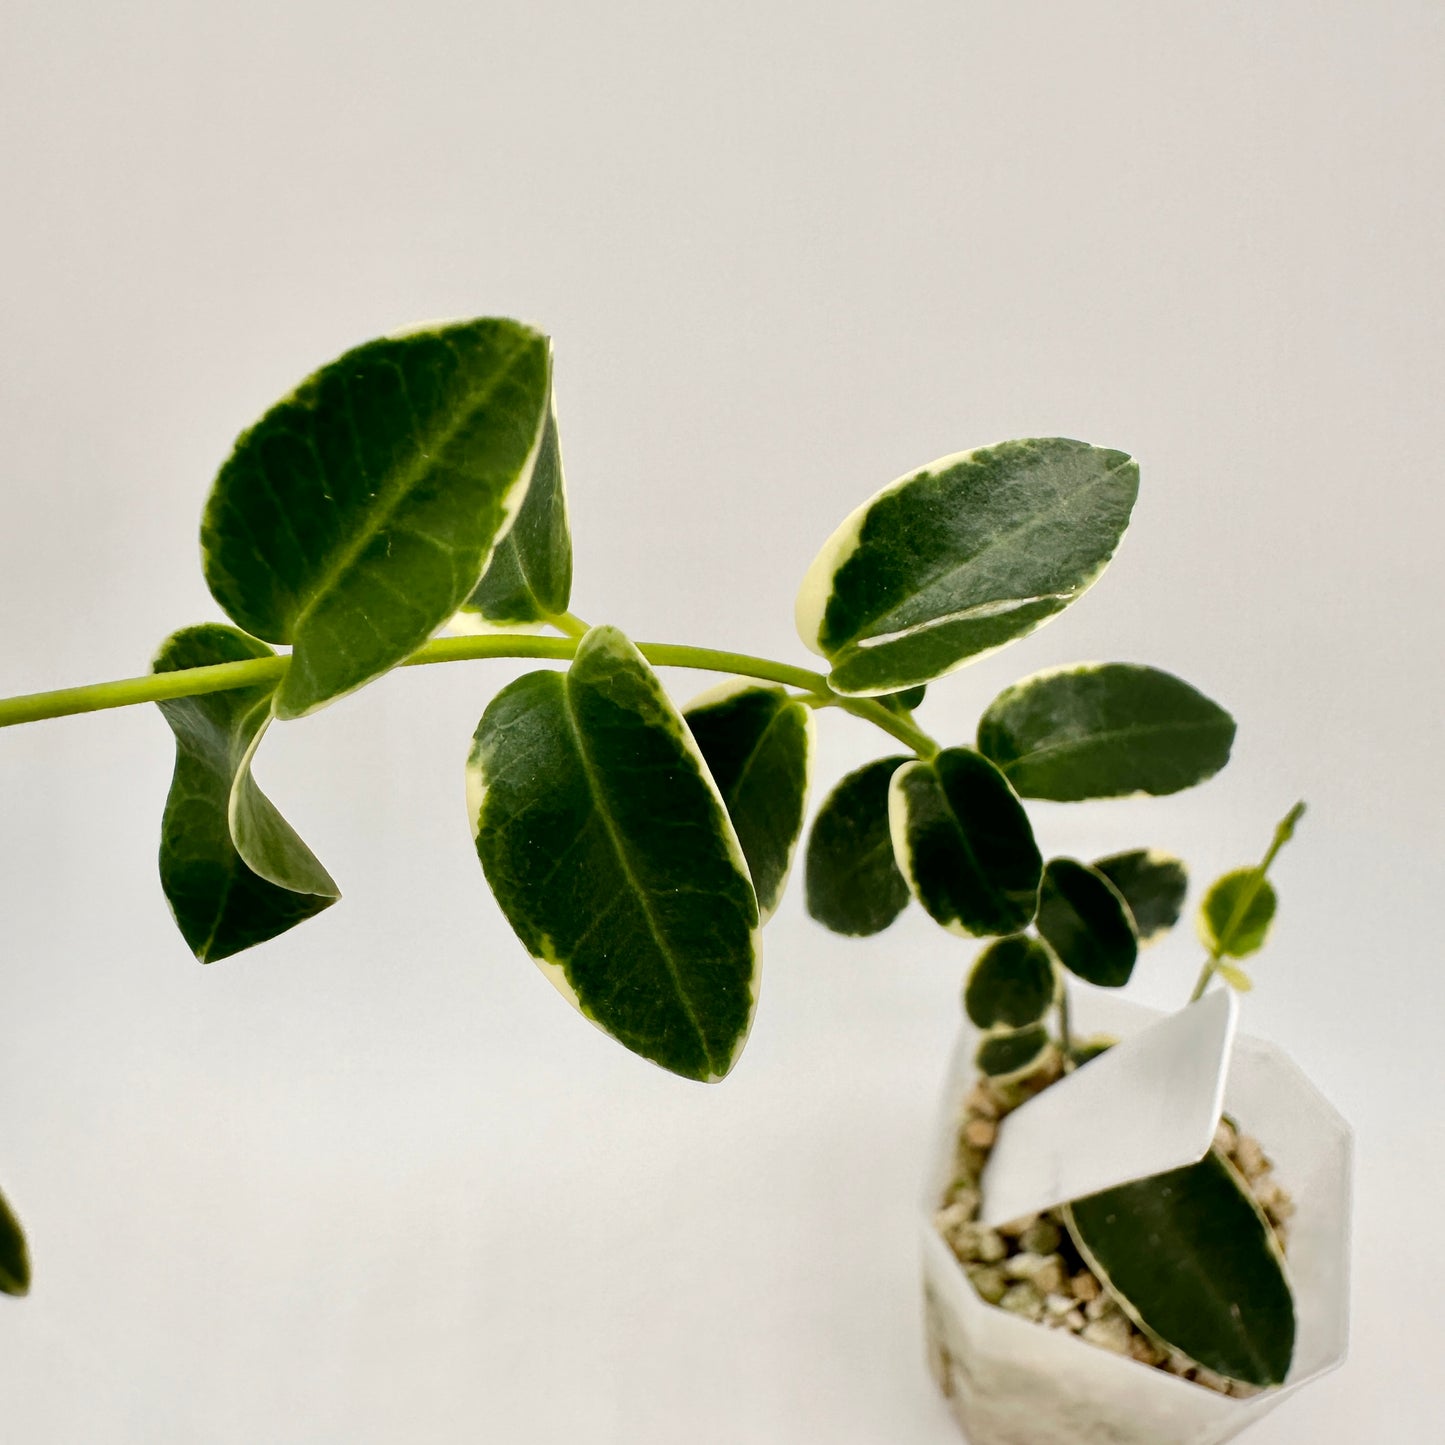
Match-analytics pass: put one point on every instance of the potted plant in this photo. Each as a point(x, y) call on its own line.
point(405, 506)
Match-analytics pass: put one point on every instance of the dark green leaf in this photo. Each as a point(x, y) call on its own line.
point(233, 870)
point(1012, 1053)
point(757, 742)
point(1012, 983)
point(529, 578)
point(1152, 884)
point(14, 1255)
point(1235, 917)
point(853, 883)
point(905, 701)
point(1087, 923)
point(964, 844)
point(602, 835)
point(1191, 1258)
point(359, 513)
point(962, 557)
point(1104, 731)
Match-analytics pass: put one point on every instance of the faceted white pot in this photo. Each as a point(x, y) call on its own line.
point(1010, 1381)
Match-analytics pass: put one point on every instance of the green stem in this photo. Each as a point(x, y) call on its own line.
point(191, 682)
point(1066, 1032)
point(1283, 832)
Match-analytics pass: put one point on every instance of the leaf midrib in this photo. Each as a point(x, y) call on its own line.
point(379, 517)
point(639, 892)
point(1108, 735)
point(1000, 539)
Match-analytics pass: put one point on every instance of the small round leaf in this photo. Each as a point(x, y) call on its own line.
point(1235, 917)
point(1012, 1053)
point(1153, 885)
point(1012, 983)
point(1085, 920)
point(852, 882)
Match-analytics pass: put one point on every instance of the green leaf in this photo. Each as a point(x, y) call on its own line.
point(607, 845)
point(14, 1255)
point(757, 742)
point(904, 702)
point(1006, 1054)
point(1191, 1259)
point(1235, 918)
point(1013, 983)
point(1104, 731)
point(1153, 884)
point(529, 578)
point(1086, 922)
point(359, 513)
point(964, 844)
point(958, 559)
point(852, 881)
point(233, 870)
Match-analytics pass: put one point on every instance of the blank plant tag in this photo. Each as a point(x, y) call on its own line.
point(1149, 1104)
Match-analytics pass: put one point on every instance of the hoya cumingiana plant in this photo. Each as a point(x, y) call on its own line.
point(405, 506)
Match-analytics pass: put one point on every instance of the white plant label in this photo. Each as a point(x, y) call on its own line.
point(1149, 1104)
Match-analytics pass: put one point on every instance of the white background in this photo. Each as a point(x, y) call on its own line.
point(375, 1182)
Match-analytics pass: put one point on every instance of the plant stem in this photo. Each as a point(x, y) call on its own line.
point(1066, 1032)
point(1283, 832)
point(221, 677)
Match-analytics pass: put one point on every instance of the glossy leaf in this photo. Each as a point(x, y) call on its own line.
point(529, 578)
point(1011, 1053)
point(1237, 913)
point(359, 513)
point(1012, 983)
point(1086, 922)
point(1153, 884)
point(852, 881)
point(963, 843)
point(1104, 731)
point(14, 1254)
point(607, 845)
point(233, 870)
point(757, 742)
point(958, 559)
point(1191, 1259)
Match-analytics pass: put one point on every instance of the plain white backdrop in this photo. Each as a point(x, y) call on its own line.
point(375, 1182)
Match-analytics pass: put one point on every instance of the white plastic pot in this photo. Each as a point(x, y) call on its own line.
point(1012, 1382)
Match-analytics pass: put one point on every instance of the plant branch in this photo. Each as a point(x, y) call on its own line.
point(222, 677)
point(1283, 832)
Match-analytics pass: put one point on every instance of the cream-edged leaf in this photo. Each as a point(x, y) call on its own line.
point(607, 845)
point(758, 744)
point(962, 557)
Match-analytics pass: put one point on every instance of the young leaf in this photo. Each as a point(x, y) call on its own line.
point(233, 870)
point(1104, 731)
point(1086, 922)
point(14, 1255)
point(604, 839)
point(1007, 1054)
point(1235, 917)
point(961, 558)
point(757, 742)
point(1012, 983)
point(529, 578)
point(359, 513)
point(1191, 1259)
point(1152, 884)
point(964, 844)
point(853, 884)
